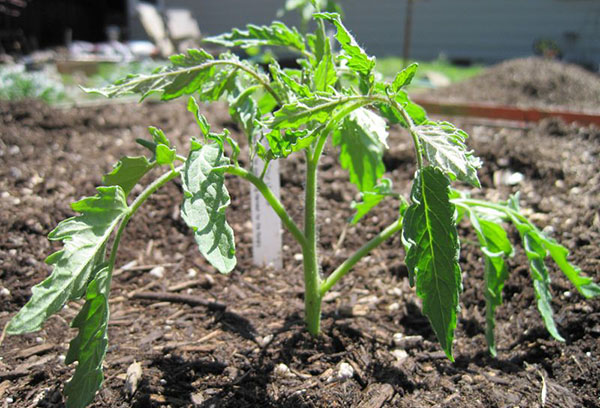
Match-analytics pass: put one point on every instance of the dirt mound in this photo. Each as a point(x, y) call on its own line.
point(530, 82)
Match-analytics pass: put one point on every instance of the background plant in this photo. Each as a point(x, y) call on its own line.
point(284, 112)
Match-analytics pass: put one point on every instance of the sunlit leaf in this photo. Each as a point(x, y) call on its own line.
point(89, 347)
point(362, 138)
point(432, 248)
point(205, 201)
point(127, 172)
point(276, 34)
point(84, 238)
point(369, 199)
point(444, 146)
point(357, 59)
point(404, 77)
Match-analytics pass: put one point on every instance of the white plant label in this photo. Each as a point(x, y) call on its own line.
point(266, 225)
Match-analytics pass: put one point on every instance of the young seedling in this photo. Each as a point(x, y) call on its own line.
point(283, 112)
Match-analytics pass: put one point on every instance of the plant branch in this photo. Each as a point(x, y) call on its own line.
point(209, 64)
point(362, 101)
point(347, 265)
point(411, 129)
point(271, 199)
point(155, 185)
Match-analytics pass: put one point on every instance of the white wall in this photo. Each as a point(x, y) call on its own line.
point(479, 30)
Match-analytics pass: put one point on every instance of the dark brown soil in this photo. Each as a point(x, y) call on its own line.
point(530, 82)
point(210, 357)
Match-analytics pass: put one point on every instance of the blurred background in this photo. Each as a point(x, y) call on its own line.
point(453, 39)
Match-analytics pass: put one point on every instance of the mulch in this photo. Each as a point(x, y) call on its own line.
point(204, 339)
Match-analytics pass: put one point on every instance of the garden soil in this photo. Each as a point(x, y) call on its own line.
point(208, 340)
point(530, 82)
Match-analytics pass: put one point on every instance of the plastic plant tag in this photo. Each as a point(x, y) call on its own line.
point(266, 225)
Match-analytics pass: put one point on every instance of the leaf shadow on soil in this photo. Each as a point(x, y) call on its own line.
point(291, 345)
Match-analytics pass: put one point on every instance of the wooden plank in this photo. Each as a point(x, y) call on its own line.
point(490, 111)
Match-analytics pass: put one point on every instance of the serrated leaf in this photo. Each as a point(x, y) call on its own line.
point(277, 34)
point(185, 75)
point(404, 77)
point(325, 72)
point(432, 249)
point(220, 82)
point(292, 88)
point(369, 199)
point(165, 155)
point(444, 146)
point(89, 347)
point(284, 142)
point(84, 238)
point(158, 136)
point(414, 111)
point(362, 139)
point(127, 172)
point(204, 204)
point(266, 103)
point(201, 121)
point(357, 59)
point(535, 251)
point(244, 110)
point(584, 284)
point(318, 108)
point(495, 246)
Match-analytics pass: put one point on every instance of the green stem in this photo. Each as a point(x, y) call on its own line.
point(312, 279)
point(471, 202)
point(148, 191)
point(331, 124)
point(271, 199)
point(209, 64)
point(411, 129)
point(347, 265)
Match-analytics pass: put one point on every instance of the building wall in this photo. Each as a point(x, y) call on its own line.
point(476, 30)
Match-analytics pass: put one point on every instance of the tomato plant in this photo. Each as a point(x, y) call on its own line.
point(335, 97)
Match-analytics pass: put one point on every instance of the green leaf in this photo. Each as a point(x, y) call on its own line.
point(496, 246)
point(535, 251)
point(292, 88)
point(319, 108)
point(444, 146)
point(404, 77)
point(127, 172)
point(200, 119)
point(89, 347)
point(165, 155)
point(221, 81)
point(559, 253)
point(369, 199)
point(584, 284)
point(158, 136)
point(204, 204)
point(244, 110)
point(355, 56)
point(185, 75)
point(432, 249)
point(84, 238)
point(277, 34)
point(284, 142)
point(362, 138)
point(325, 72)
point(266, 103)
point(414, 111)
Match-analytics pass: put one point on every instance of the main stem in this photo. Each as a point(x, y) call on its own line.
point(312, 279)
